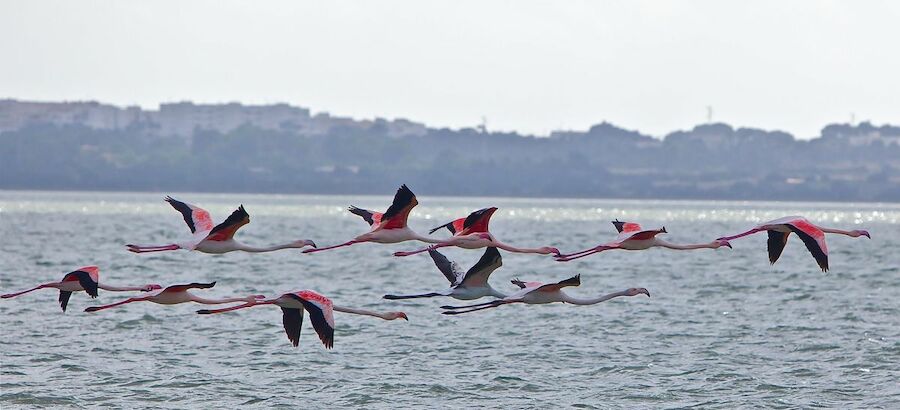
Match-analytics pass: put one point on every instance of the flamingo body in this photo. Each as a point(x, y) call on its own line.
point(469, 285)
point(632, 237)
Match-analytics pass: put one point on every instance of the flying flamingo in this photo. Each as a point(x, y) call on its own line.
point(537, 293)
point(464, 285)
point(213, 239)
point(811, 235)
point(388, 227)
point(86, 279)
point(175, 294)
point(633, 237)
point(472, 232)
point(321, 312)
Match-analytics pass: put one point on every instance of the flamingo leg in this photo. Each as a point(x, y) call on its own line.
point(469, 306)
point(425, 249)
point(348, 243)
point(578, 255)
point(12, 295)
point(488, 306)
point(740, 235)
point(129, 300)
point(156, 248)
point(423, 295)
point(229, 309)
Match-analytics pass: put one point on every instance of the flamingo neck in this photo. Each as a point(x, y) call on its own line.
point(839, 231)
point(420, 238)
point(591, 301)
point(361, 312)
point(510, 248)
point(120, 288)
point(252, 249)
point(664, 244)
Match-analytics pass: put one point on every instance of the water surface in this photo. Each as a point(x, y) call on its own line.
point(723, 328)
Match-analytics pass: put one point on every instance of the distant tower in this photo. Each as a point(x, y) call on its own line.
point(483, 126)
point(852, 118)
point(709, 112)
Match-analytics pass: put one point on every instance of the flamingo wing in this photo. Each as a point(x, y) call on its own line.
point(481, 271)
point(814, 239)
point(478, 221)
point(321, 313)
point(292, 320)
point(64, 296)
point(226, 230)
point(182, 288)
point(197, 218)
point(776, 243)
point(84, 278)
point(453, 226)
point(626, 226)
point(450, 269)
point(398, 212)
point(552, 287)
point(372, 218)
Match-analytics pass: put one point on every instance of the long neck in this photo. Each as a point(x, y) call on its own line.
point(252, 249)
point(120, 288)
point(360, 312)
point(205, 301)
point(592, 301)
point(670, 245)
point(838, 231)
point(425, 239)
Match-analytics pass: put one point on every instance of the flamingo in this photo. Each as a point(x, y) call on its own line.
point(633, 237)
point(464, 285)
point(210, 239)
point(811, 235)
point(537, 293)
point(86, 279)
point(175, 294)
point(321, 312)
point(472, 232)
point(387, 227)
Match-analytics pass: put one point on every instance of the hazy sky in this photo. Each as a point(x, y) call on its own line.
point(528, 66)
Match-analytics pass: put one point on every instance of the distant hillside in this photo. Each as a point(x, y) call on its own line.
point(339, 155)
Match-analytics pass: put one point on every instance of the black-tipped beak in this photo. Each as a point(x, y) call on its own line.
point(663, 230)
point(867, 235)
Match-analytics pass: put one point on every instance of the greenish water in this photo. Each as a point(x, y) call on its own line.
point(723, 328)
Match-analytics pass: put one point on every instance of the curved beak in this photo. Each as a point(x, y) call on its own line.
point(310, 243)
point(646, 292)
point(866, 233)
point(726, 243)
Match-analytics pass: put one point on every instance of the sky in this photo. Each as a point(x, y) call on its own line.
point(528, 66)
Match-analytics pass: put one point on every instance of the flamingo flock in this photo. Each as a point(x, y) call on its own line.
point(391, 227)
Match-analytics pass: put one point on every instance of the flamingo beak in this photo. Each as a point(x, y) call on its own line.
point(646, 292)
point(726, 243)
point(663, 230)
point(866, 233)
point(403, 315)
point(310, 243)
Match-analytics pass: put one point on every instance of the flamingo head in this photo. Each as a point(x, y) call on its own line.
point(303, 243)
point(254, 298)
point(722, 242)
point(860, 232)
point(637, 291)
point(396, 315)
point(150, 287)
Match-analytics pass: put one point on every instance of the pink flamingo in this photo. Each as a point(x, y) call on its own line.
point(472, 232)
point(213, 239)
point(387, 227)
point(537, 293)
point(84, 279)
point(634, 238)
point(321, 312)
point(811, 235)
point(175, 294)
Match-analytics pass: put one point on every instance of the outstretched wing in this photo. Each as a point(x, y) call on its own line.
point(453, 226)
point(225, 230)
point(814, 239)
point(478, 221)
point(372, 218)
point(195, 285)
point(196, 218)
point(552, 287)
point(776, 243)
point(64, 296)
point(84, 278)
point(321, 314)
point(450, 269)
point(292, 320)
point(396, 215)
point(479, 274)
